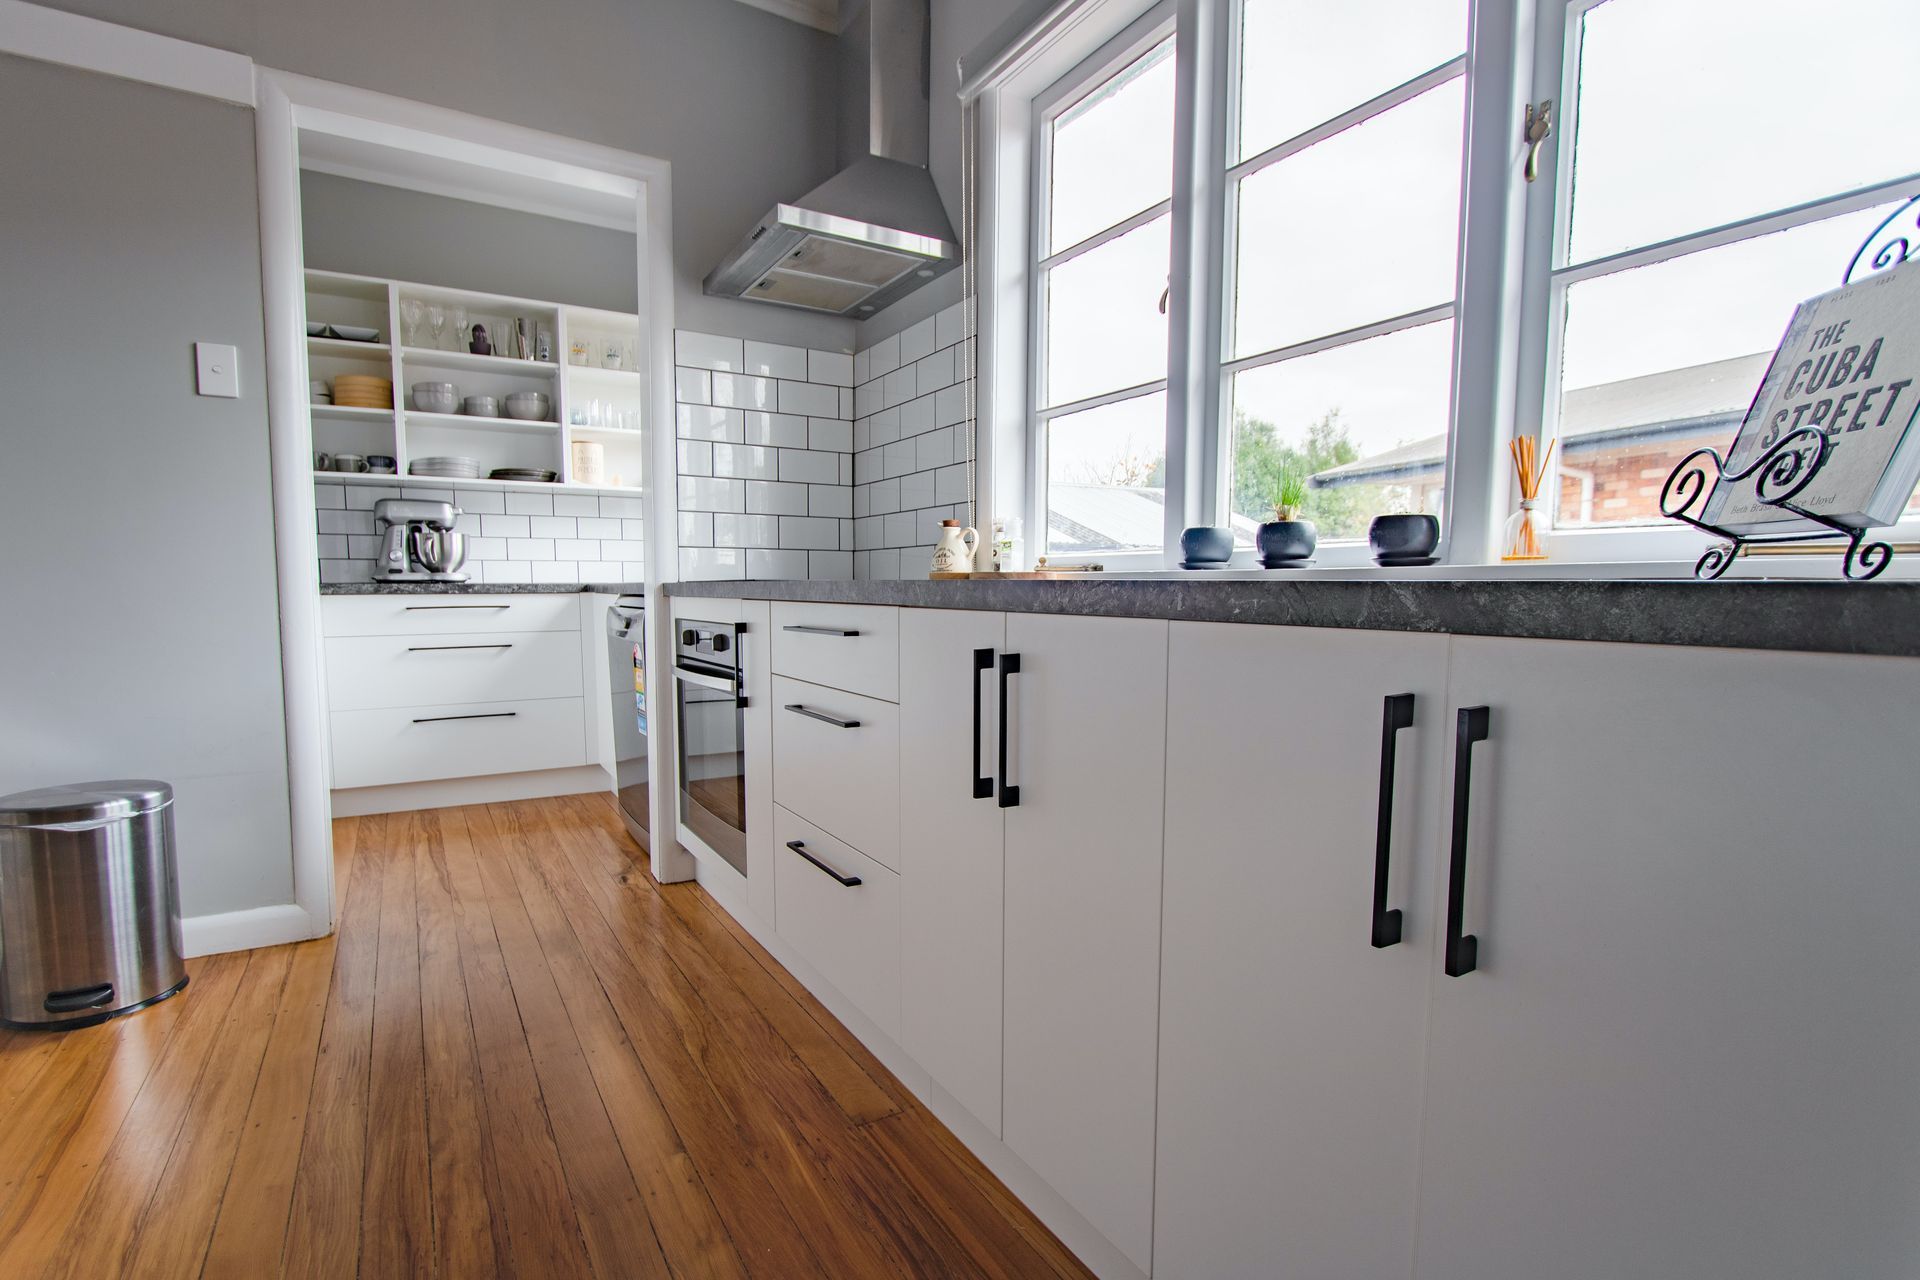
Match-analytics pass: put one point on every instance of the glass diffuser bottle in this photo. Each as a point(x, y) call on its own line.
point(1527, 529)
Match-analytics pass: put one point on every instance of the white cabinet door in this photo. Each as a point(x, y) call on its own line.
point(951, 853)
point(1692, 1042)
point(1088, 727)
point(1290, 1045)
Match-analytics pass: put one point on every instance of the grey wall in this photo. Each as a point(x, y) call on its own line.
point(141, 634)
point(739, 101)
point(376, 230)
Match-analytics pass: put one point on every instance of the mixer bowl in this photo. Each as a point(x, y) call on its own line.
point(440, 550)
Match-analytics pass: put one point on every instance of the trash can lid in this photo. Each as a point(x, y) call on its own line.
point(84, 802)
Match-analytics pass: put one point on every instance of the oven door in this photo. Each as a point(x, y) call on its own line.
point(627, 668)
point(712, 721)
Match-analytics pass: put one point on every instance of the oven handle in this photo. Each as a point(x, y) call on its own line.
point(705, 681)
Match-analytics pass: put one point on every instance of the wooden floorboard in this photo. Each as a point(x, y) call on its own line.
point(518, 1056)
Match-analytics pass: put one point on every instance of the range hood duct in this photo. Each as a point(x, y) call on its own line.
point(876, 230)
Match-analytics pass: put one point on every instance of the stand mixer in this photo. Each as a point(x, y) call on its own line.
point(418, 542)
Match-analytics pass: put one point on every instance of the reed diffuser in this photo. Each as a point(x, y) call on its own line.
point(1526, 537)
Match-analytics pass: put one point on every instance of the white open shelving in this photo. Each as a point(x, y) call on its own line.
point(577, 391)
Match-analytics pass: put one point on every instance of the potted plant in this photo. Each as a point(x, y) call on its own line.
point(1287, 539)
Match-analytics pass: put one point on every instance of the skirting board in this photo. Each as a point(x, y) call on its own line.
point(1061, 1218)
point(244, 930)
point(493, 789)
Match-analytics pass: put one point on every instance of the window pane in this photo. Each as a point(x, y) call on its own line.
point(1695, 113)
point(1113, 151)
point(1105, 330)
point(1658, 361)
point(1106, 477)
point(1303, 62)
point(1359, 228)
point(1366, 423)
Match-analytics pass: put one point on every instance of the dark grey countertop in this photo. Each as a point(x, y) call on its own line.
point(1811, 616)
point(480, 588)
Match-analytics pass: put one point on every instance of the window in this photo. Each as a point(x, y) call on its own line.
point(1105, 196)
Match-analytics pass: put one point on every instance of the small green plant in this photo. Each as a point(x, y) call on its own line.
point(1290, 495)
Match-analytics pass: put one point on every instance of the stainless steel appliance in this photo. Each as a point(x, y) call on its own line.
point(418, 542)
point(627, 669)
point(89, 910)
point(710, 714)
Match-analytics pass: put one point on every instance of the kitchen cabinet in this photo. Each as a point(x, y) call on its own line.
point(1087, 738)
point(1691, 1042)
point(1291, 1040)
point(841, 910)
point(952, 853)
point(836, 762)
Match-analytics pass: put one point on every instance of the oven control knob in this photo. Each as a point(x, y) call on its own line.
point(720, 643)
point(690, 638)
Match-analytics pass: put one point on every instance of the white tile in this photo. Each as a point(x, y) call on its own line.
point(810, 533)
point(886, 427)
point(506, 571)
point(869, 398)
point(633, 571)
point(930, 524)
point(787, 430)
point(950, 483)
point(830, 565)
point(832, 367)
point(917, 416)
point(699, 493)
point(633, 530)
point(846, 535)
point(963, 360)
point(696, 528)
point(345, 571)
point(884, 565)
point(333, 546)
point(767, 497)
point(868, 533)
point(883, 496)
point(862, 434)
point(918, 341)
point(742, 391)
point(693, 386)
point(708, 422)
point(746, 531)
point(846, 402)
point(829, 500)
point(949, 326)
point(696, 458)
point(612, 505)
point(556, 571)
point(576, 549)
point(346, 521)
point(901, 529)
point(434, 494)
point(833, 434)
point(529, 548)
point(862, 499)
point(619, 549)
point(486, 549)
point(771, 360)
point(506, 526)
point(809, 466)
point(711, 564)
point(555, 527)
point(601, 571)
point(934, 449)
point(916, 491)
point(598, 527)
point(469, 524)
point(860, 373)
point(707, 351)
point(901, 386)
point(950, 405)
point(529, 504)
point(846, 469)
point(745, 461)
point(809, 398)
point(897, 459)
point(364, 546)
point(765, 564)
point(361, 497)
point(332, 496)
point(866, 466)
point(883, 356)
point(573, 504)
point(936, 371)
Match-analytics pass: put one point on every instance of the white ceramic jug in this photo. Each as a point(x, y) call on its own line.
point(954, 552)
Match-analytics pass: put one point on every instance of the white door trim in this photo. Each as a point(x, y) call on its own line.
point(69, 40)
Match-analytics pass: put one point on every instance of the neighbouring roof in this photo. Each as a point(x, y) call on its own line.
point(1086, 519)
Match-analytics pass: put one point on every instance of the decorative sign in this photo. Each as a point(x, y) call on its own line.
point(1849, 368)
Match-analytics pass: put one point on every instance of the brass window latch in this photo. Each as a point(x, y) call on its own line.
point(1539, 127)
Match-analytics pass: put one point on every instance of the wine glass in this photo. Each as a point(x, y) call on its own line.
point(459, 328)
point(412, 311)
point(437, 322)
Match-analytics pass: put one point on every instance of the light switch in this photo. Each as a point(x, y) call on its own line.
point(217, 369)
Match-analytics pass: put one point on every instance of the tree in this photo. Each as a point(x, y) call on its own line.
point(1261, 458)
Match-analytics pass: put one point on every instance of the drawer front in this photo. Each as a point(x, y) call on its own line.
point(461, 740)
point(846, 780)
point(411, 671)
point(424, 615)
point(811, 643)
point(850, 933)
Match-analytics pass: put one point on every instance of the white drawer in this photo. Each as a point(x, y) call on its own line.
point(421, 615)
point(842, 646)
point(847, 780)
point(462, 740)
point(850, 933)
point(409, 671)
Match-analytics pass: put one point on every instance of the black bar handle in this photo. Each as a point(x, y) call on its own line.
point(478, 715)
point(77, 999)
point(821, 631)
point(429, 608)
point(801, 709)
point(1009, 794)
point(1463, 949)
point(1398, 715)
point(431, 648)
point(982, 785)
point(800, 847)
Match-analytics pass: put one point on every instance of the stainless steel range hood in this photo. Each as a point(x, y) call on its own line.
point(876, 230)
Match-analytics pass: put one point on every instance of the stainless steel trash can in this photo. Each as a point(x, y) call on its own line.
point(89, 909)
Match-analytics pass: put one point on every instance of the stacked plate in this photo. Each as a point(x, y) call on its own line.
point(363, 391)
point(447, 468)
point(524, 473)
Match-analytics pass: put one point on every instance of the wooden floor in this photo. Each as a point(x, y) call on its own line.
point(518, 1056)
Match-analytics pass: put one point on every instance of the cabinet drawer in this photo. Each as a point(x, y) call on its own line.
point(422, 615)
point(410, 671)
point(376, 747)
point(850, 933)
point(842, 646)
point(845, 779)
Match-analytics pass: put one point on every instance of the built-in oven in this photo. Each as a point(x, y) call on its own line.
point(710, 715)
point(627, 669)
